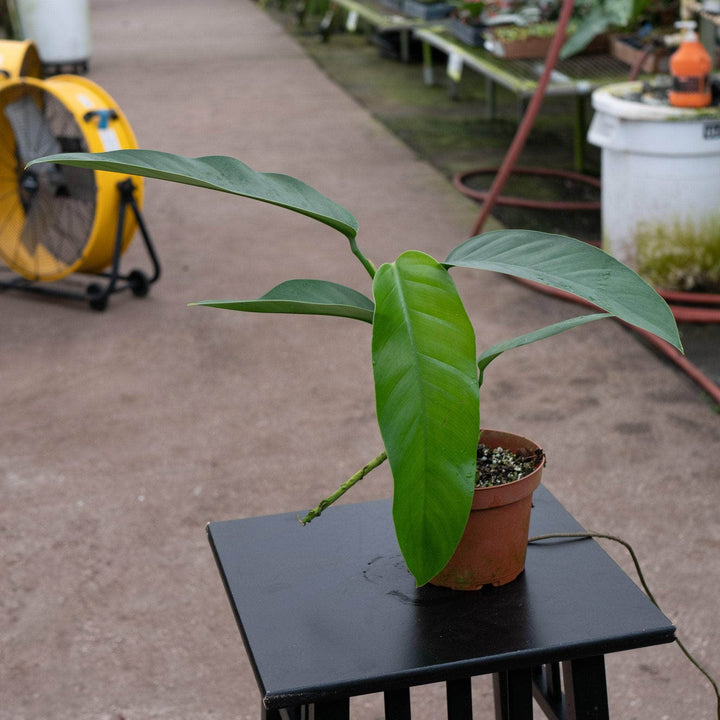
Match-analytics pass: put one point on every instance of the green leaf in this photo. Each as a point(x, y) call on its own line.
point(426, 392)
point(305, 297)
point(593, 24)
point(488, 355)
point(221, 173)
point(620, 12)
point(574, 267)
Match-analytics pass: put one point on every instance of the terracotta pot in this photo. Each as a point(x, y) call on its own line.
point(493, 547)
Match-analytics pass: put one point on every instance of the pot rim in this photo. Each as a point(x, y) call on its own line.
point(499, 495)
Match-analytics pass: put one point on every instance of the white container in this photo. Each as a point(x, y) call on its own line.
point(660, 177)
point(59, 28)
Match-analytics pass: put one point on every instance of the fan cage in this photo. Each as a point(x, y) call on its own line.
point(20, 58)
point(57, 220)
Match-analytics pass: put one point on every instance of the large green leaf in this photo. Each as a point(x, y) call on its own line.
point(218, 173)
point(575, 267)
point(426, 393)
point(305, 297)
point(603, 16)
point(593, 24)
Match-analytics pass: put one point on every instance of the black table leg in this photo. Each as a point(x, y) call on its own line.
point(513, 694)
point(332, 710)
point(547, 691)
point(459, 699)
point(586, 689)
point(328, 710)
point(397, 704)
point(294, 713)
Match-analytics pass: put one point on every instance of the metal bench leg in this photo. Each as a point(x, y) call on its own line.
point(326, 24)
point(547, 691)
point(586, 689)
point(513, 695)
point(459, 699)
point(328, 710)
point(428, 70)
point(579, 134)
point(275, 714)
point(405, 45)
point(491, 98)
point(332, 710)
point(397, 704)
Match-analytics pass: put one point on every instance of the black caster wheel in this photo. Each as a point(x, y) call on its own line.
point(138, 283)
point(96, 297)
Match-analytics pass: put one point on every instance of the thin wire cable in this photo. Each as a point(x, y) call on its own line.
point(643, 582)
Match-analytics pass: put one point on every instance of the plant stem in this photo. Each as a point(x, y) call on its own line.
point(366, 263)
point(359, 475)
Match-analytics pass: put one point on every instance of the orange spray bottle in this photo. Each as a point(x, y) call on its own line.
point(690, 67)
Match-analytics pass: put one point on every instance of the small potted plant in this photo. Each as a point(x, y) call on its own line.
point(529, 41)
point(467, 24)
point(427, 374)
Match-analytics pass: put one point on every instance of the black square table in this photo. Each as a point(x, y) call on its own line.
point(329, 611)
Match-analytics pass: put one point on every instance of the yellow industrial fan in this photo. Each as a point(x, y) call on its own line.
point(57, 220)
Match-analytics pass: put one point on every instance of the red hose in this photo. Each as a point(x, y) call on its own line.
point(528, 118)
point(460, 182)
point(679, 296)
point(688, 314)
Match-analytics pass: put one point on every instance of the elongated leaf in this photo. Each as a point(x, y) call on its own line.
point(575, 267)
point(305, 297)
point(487, 356)
point(593, 24)
point(426, 393)
point(221, 173)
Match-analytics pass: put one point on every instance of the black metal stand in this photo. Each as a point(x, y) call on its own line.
point(329, 612)
point(97, 294)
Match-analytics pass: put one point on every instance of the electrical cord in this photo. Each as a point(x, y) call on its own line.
point(643, 582)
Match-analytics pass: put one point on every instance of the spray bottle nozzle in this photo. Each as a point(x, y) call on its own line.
point(688, 28)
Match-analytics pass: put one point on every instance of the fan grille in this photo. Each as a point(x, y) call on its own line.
point(46, 212)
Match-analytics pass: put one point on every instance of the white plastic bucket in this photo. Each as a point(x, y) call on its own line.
point(59, 28)
point(660, 179)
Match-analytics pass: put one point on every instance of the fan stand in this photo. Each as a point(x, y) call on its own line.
point(98, 294)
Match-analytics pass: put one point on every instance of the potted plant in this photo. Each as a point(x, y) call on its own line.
point(467, 24)
point(529, 41)
point(527, 33)
point(427, 375)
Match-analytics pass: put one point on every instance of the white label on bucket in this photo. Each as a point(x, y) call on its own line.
point(352, 21)
point(454, 66)
point(109, 139)
point(711, 131)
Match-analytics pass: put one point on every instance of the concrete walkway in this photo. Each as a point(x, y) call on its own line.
point(123, 433)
